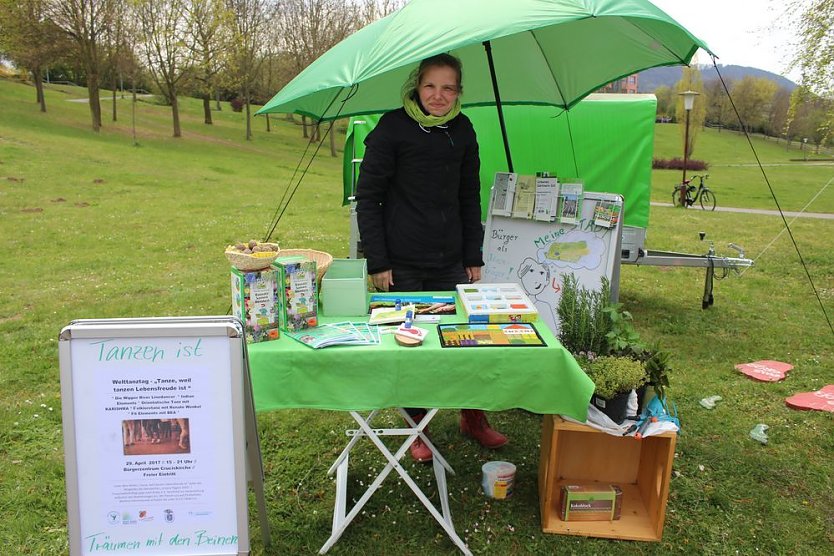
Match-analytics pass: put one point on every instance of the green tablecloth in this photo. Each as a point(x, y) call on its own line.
point(287, 374)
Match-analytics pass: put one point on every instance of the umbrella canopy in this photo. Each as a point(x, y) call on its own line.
point(547, 52)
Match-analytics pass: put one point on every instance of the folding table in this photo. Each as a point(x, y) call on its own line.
point(356, 379)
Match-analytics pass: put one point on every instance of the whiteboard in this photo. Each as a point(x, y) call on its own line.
point(522, 251)
point(154, 436)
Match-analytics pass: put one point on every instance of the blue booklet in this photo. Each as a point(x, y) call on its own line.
point(423, 304)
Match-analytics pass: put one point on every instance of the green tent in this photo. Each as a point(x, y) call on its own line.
point(606, 140)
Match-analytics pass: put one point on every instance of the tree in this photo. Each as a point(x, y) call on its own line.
point(250, 21)
point(814, 54)
point(778, 116)
point(85, 21)
point(208, 21)
point(808, 118)
point(166, 44)
point(30, 40)
point(665, 102)
point(311, 27)
point(691, 81)
point(116, 51)
point(753, 97)
point(719, 112)
point(371, 10)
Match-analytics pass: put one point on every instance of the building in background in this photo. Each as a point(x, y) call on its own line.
point(627, 85)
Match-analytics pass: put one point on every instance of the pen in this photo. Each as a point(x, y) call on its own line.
point(631, 429)
point(644, 426)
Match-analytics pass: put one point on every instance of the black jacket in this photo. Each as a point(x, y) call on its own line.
point(418, 195)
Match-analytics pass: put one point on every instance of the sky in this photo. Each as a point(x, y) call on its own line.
point(740, 32)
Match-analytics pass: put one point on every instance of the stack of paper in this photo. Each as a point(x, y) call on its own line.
point(337, 334)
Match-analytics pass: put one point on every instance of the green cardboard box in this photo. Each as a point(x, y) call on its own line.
point(344, 288)
point(255, 301)
point(591, 502)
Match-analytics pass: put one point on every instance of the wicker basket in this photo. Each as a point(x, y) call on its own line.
point(321, 258)
point(251, 263)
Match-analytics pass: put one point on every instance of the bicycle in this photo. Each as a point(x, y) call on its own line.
point(702, 193)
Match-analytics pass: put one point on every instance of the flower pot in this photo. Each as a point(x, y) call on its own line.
point(615, 407)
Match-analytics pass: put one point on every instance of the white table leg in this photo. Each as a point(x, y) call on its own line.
point(341, 521)
point(350, 445)
point(436, 455)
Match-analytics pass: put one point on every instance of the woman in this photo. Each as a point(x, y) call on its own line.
point(419, 205)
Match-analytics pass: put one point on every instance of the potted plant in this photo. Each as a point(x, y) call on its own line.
point(590, 325)
point(583, 321)
point(656, 364)
point(614, 377)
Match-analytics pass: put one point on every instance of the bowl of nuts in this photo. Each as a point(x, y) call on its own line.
point(251, 256)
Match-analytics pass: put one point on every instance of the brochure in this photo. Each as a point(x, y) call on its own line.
point(504, 187)
point(570, 203)
point(606, 214)
point(547, 199)
point(340, 333)
point(525, 197)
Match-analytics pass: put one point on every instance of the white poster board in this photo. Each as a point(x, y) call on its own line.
point(539, 254)
point(155, 436)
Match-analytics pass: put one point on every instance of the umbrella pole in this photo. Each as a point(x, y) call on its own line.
point(488, 48)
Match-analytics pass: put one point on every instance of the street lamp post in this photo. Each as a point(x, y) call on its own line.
point(688, 101)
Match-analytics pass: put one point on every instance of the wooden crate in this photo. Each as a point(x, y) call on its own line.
point(574, 453)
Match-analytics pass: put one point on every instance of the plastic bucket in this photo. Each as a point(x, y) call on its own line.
point(499, 479)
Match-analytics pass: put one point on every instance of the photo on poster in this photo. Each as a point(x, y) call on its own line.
point(156, 436)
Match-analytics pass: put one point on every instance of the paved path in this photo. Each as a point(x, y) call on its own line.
point(788, 214)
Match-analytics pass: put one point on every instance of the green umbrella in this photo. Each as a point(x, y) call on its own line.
point(546, 52)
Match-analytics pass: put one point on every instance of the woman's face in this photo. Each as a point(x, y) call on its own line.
point(438, 90)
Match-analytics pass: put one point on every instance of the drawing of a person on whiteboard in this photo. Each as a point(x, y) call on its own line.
point(534, 278)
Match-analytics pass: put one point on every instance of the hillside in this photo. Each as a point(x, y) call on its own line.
point(653, 78)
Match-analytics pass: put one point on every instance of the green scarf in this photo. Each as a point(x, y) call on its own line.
point(412, 108)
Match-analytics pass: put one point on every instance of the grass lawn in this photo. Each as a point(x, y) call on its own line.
point(734, 174)
point(93, 226)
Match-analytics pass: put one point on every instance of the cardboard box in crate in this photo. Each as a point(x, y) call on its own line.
point(299, 299)
point(572, 453)
point(344, 288)
point(255, 301)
